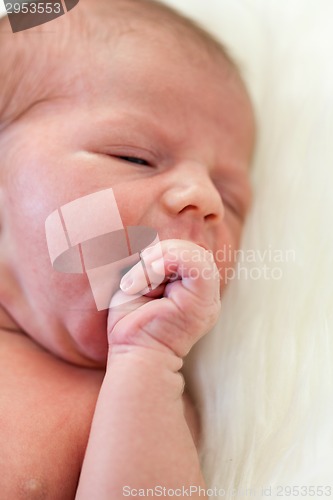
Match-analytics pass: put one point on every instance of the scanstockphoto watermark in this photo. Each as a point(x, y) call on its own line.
point(280, 491)
point(26, 14)
point(182, 492)
point(249, 264)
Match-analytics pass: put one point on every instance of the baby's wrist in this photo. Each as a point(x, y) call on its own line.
point(145, 356)
point(148, 365)
point(126, 338)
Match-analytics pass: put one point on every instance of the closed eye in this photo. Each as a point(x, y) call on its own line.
point(133, 159)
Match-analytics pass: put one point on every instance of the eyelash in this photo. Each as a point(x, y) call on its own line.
point(133, 159)
point(230, 203)
point(235, 208)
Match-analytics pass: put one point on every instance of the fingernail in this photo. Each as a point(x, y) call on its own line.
point(147, 252)
point(158, 266)
point(126, 283)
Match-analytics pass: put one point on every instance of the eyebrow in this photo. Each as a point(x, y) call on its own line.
point(238, 170)
point(127, 118)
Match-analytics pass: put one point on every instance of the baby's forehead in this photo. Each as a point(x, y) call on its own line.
point(56, 63)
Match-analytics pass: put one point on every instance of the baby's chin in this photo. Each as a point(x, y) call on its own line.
point(86, 342)
point(74, 331)
point(78, 332)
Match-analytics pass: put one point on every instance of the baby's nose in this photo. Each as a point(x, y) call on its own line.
point(192, 189)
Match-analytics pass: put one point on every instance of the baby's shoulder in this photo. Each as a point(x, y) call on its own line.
point(46, 407)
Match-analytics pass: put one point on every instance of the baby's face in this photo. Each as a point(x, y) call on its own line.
point(171, 137)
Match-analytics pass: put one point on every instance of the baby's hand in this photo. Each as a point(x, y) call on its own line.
point(178, 312)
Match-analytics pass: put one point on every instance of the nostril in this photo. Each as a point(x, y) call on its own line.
point(187, 208)
point(211, 217)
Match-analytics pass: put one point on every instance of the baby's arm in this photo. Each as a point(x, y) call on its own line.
point(139, 437)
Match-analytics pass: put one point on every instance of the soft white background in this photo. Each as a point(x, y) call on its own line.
point(264, 377)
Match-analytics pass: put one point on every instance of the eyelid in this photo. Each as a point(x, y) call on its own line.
point(134, 159)
point(123, 151)
point(236, 200)
point(238, 211)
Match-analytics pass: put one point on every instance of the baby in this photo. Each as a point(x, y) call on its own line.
point(128, 95)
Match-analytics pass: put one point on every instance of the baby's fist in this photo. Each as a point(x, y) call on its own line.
point(179, 311)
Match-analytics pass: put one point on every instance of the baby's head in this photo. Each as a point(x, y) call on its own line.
point(124, 95)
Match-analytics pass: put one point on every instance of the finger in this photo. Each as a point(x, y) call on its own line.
point(121, 305)
point(197, 270)
point(180, 260)
point(143, 277)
